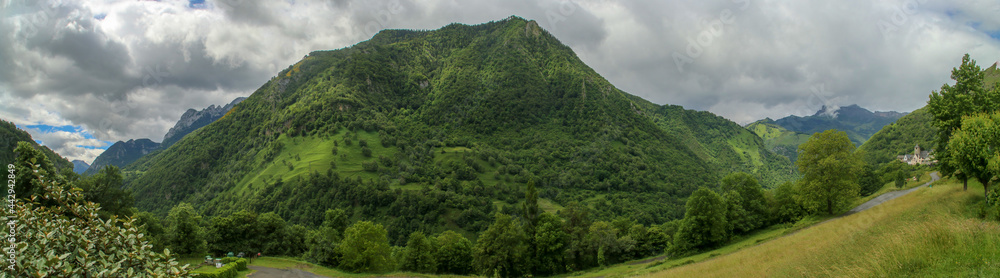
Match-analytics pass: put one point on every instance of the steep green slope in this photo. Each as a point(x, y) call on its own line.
point(778, 139)
point(725, 144)
point(900, 137)
point(10, 135)
point(427, 130)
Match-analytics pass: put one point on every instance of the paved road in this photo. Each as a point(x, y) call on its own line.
point(889, 196)
point(268, 272)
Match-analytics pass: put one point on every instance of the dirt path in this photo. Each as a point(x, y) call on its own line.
point(269, 272)
point(889, 196)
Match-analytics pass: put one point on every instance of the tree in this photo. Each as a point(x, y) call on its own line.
point(704, 223)
point(151, 226)
point(273, 235)
point(33, 169)
point(238, 232)
point(184, 232)
point(966, 97)
point(868, 180)
point(323, 245)
point(975, 148)
point(68, 239)
point(787, 205)
point(419, 255)
point(454, 254)
point(830, 171)
point(365, 248)
point(749, 201)
point(550, 243)
point(336, 219)
point(105, 188)
point(500, 250)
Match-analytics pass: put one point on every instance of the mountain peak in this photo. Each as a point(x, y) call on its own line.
point(194, 119)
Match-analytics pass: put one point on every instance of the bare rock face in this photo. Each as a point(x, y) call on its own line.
point(193, 120)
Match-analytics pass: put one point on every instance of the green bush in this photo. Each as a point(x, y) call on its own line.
point(229, 270)
point(241, 263)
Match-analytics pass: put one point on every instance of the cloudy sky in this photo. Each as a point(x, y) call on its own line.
point(79, 75)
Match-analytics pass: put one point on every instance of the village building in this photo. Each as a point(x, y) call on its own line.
point(919, 157)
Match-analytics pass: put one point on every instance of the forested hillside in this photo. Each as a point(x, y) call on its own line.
point(10, 135)
point(900, 137)
point(434, 130)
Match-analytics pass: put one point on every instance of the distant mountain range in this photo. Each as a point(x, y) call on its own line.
point(784, 135)
point(193, 120)
point(122, 153)
point(80, 166)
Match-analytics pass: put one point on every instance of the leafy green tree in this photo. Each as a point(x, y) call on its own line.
point(151, 226)
point(748, 205)
point(951, 103)
point(419, 255)
point(184, 232)
point(105, 188)
point(68, 239)
point(787, 203)
point(830, 169)
point(704, 223)
point(550, 244)
point(603, 238)
point(273, 235)
point(323, 246)
point(500, 250)
point(238, 232)
point(657, 241)
point(336, 219)
point(975, 148)
point(365, 248)
point(33, 168)
point(869, 181)
point(454, 254)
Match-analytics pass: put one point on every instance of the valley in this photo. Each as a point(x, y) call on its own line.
point(494, 149)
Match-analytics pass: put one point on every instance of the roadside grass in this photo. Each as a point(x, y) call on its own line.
point(891, 186)
point(291, 263)
point(195, 260)
point(931, 232)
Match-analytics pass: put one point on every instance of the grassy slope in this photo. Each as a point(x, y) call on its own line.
point(778, 139)
point(926, 233)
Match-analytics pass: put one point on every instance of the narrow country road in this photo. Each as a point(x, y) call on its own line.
point(270, 272)
point(889, 196)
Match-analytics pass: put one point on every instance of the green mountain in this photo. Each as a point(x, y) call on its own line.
point(778, 139)
point(10, 135)
point(900, 137)
point(122, 153)
point(433, 130)
point(859, 123)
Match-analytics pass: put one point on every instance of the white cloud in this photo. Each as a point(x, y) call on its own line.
point(133, 73)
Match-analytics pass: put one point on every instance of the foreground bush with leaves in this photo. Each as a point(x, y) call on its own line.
point(66, 238)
